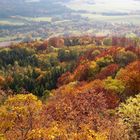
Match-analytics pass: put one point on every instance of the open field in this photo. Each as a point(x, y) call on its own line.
point(18, 21)
point(47, 19)
point(134, 19)
point(34, 19)
point(7, 38)
point(10, 21)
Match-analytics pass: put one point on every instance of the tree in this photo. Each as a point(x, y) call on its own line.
point(43, 46)
point(130, 113)
point(130, 76)
point(123, 58)
point(104, 61)
point(81, 71)
point(107, 41)
point(109, 70)
point(67, 55)
point(19, 116)
point(114, 84)
point(65, 79)
point(2, 80)
point(93, 69)
point(83, 116)
point(95, 53)
point(56, 42)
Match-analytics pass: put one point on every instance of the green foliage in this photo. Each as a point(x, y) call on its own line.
point(24, 57)
point(125, 57)
point(93, 70)
point(114, 84)
point(95, 53)
point(107, 42)
point(46, 95)
point(104, 61)
point(35, 82)
point(67, 55)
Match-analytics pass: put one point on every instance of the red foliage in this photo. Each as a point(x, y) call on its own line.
point(80, 108)
point(131, 78)
point(80, 73)
point(43, 46)
point(133, 49)
point(119, 41)
point(108, 71)
point(89, 54)
point(111, 98)
point(110, 51)
point(64, 79)
point(56, 42)
point(124, 42)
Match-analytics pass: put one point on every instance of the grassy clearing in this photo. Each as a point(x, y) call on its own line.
point(19, 21)
point(12, 23)
point(135, 19)
point(34, 19)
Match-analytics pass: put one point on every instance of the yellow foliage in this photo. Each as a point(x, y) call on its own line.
point(50, 133)
point(93, 64)
point(90, 134)
point(19, 114)
point(2, 137)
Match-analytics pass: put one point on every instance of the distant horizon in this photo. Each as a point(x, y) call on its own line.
point(20, 19)
point(105, 5)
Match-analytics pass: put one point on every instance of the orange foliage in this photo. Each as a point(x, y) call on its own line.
point(79, 110)
point(81, 71)
point(110, 51)
point(130, 75)
point(76, 88)
point(56, 42)
point(43, 46)
point(108, 71)
point(65, 79)
point(2, 80)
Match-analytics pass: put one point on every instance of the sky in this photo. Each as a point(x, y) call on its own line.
point(105, 5)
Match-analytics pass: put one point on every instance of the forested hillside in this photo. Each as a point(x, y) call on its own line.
point(30, 8)
point(71, 88)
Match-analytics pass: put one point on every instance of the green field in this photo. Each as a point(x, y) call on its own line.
point(135, 19)
point(35, 19)
point(10, 21)
point(19, 21)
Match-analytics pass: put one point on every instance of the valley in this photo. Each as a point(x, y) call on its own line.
point(69, 70)
point(62, 18)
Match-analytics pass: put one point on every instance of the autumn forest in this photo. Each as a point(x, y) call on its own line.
point(71, 88)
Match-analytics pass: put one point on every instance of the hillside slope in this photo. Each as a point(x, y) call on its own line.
point(78, 88)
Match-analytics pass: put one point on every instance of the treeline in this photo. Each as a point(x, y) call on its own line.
point(95, 40)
